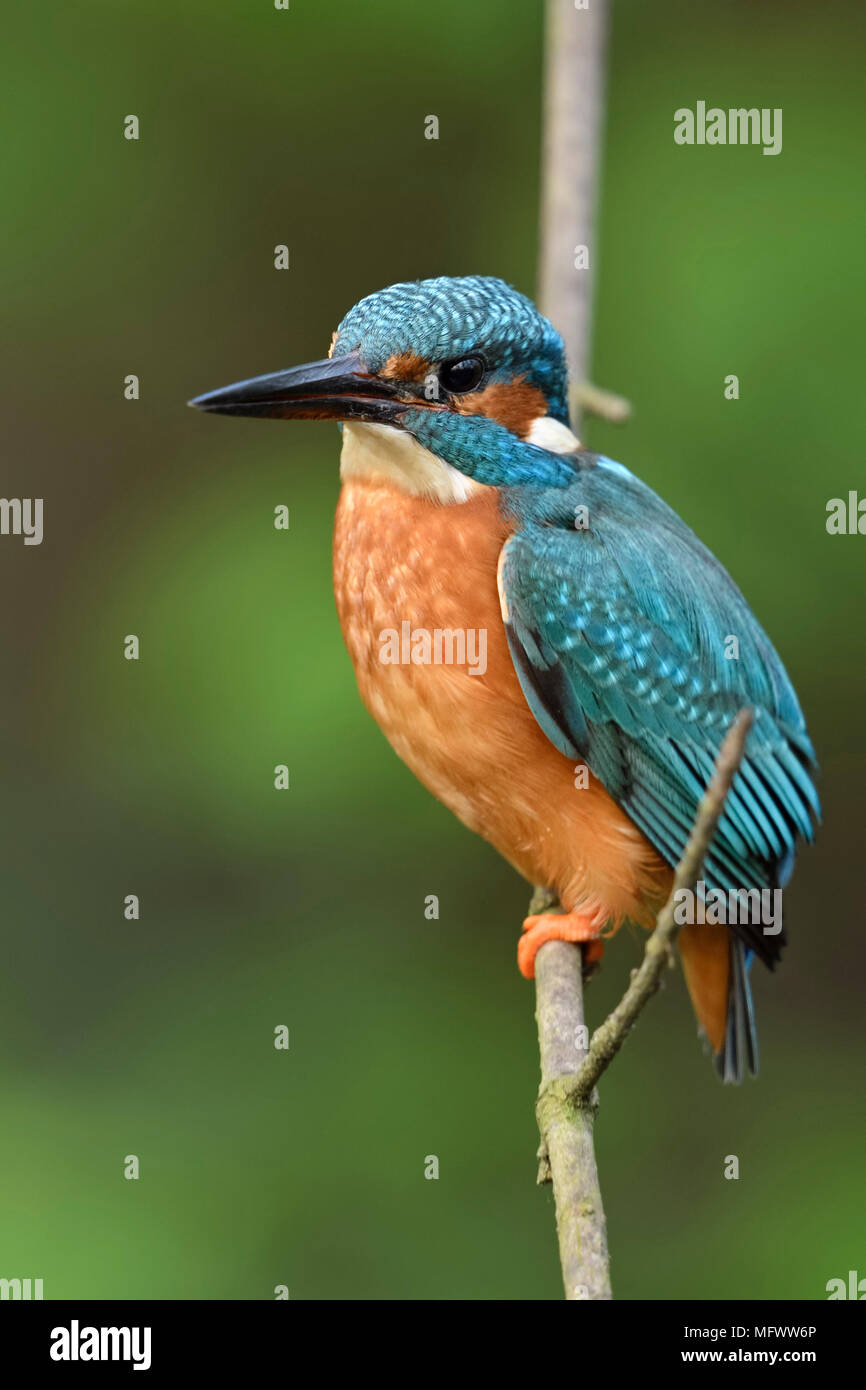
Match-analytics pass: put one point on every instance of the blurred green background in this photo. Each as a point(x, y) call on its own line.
point(306, 907)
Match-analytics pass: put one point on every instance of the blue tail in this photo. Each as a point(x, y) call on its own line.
point(740, 1049)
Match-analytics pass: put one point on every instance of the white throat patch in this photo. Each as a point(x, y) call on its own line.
point(379, 451)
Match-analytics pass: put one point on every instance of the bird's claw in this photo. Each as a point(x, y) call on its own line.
point(556, 926)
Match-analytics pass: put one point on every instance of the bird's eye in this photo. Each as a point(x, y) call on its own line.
point(464, 374)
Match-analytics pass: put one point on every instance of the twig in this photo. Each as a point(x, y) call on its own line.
point(595, 400)
point(573, 89)
point(573, 119)
point(610, 1036)
point(566, 1154)
point(567, 1099)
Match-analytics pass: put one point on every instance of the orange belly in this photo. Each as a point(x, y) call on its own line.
point(471, 738)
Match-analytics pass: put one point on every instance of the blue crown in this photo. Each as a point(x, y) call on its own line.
point(450, 317)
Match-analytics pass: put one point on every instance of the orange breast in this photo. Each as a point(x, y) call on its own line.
point(471, 738)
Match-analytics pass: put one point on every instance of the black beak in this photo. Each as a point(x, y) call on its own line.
point(337, 388)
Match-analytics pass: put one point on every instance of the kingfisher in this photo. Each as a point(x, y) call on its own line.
point(617, 650)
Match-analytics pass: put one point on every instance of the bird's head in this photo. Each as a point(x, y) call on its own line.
point(460, 372)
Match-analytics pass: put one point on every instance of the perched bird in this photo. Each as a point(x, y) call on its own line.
point(616, 649)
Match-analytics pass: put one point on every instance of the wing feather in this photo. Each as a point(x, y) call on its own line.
point(635, 650)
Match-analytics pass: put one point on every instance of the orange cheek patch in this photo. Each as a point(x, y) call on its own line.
point(514, 404)
point(407, 366)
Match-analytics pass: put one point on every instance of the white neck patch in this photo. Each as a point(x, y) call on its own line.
point(379, 451)
point(553, 436)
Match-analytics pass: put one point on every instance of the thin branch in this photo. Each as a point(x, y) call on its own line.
point(610, 1036)
point(566, 1154)
point(594, 400)
point(573, 119)
point(567, 1099)
point(575, 44)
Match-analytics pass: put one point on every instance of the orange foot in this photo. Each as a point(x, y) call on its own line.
point(552, 926)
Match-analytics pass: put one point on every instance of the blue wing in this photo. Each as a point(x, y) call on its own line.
point(635, 651)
